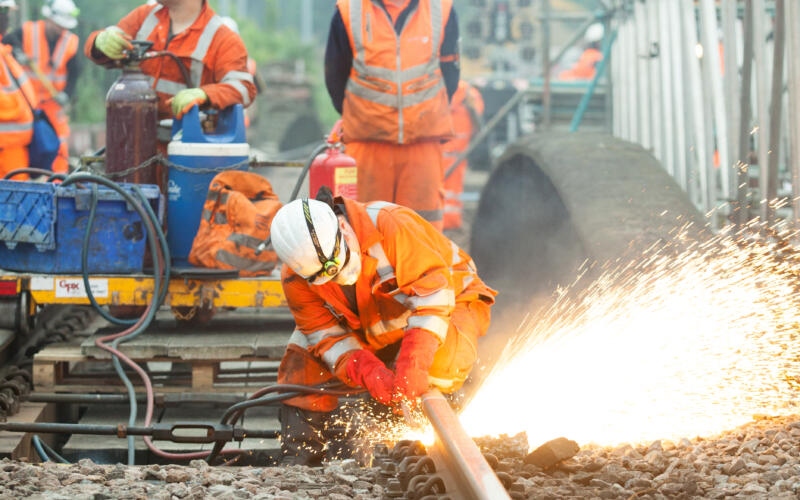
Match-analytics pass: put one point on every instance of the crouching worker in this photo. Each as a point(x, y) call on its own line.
point(372, 287)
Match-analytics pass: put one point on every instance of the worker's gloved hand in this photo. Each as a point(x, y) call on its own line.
point(413, 362)
point(185, 99)
point(112, 41)
point(366, 370)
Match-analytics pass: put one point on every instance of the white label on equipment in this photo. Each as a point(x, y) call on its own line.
point(174, 191)
point(42, 283)
point(72, 288)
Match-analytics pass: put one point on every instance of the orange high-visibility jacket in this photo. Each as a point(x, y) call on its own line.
point(412, 276)
point(237, 214)
point(214, 55)
point(16, 117)
point(53, 66)
point(395, 92)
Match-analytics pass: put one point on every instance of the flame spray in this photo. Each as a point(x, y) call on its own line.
point(690, 340)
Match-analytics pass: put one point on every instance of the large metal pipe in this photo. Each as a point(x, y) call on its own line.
point(474, 476)
point(762, 92)
point(776, 110)
point(792, 22)
point(743, 212)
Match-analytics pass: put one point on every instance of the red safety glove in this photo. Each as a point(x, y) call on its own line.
point(365, 369)
point(413, 363)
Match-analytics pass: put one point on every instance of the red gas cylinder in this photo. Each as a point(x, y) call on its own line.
point(333, 168)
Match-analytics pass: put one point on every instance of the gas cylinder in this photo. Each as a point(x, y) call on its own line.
point(334, 168)
point(131, 121)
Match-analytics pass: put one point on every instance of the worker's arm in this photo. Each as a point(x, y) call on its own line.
point(232, 83)
point(423, 273)
point(130, 24)
point(338, 60)
point(327, 340)
point(449, 63)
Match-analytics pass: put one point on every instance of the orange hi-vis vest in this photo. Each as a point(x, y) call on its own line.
point(236, 218)
point(412, 276)
point(16, 117)
point(53, 66)
point(396, 92)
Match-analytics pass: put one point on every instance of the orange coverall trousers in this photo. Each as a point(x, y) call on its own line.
point(406, 174)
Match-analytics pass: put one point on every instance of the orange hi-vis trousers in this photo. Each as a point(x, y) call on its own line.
point(406, 174)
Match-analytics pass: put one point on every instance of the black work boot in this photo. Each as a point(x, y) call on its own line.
point(302, 436)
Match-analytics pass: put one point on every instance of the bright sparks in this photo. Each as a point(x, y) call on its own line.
point(691, 340)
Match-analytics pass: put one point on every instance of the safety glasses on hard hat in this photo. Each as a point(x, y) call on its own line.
point(330, 265)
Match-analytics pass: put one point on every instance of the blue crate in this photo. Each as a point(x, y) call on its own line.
point(42, 227)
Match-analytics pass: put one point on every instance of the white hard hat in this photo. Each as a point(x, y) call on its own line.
point(594, 33)
point(306, 236)
point(231, 23)
point(62, 12)
point(10, 4)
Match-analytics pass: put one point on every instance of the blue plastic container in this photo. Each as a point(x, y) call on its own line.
point(42, 227)
point(187, 191)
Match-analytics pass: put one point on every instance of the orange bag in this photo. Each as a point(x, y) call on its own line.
point(236, 218)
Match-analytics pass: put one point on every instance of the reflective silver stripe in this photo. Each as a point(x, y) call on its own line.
point(215, 195)
point(235, 79)
point(61, 49)
point(380, 327)
point(376, 96)
point(21, 79)
point(37, 26)
point(443, 298)
point(436, 28)
point(355, 28)
point(433, 324)
point(375, 207)
point(245, 240)
point(456, 254)
point(468, 279)
point(149, 24)
point(336, 351)
point(201, 49)
point(318, 336)
point(16, 127)
point(427, 94)
point(240, 87)
point(219, 217)
point(365, 69)
point(384, 267)
point(58, 78)
point(243, 263)
point(441, 383)
point(298, 339)
point(431, 215)
point(237, 75)
point(166, 86)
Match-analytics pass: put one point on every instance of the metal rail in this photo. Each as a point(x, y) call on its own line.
point(457, 454)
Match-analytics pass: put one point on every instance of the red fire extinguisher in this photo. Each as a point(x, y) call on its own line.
point(333, 168)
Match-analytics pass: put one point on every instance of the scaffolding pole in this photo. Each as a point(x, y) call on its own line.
point(793, 39)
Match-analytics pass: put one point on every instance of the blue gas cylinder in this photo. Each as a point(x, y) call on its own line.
point(192, 148)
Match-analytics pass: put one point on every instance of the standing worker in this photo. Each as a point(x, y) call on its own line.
point(214, 57)
point(584, 67)
point(368, 284)
point(466, 110)
point(391, 67)
point(17, 101)
point(50, 62)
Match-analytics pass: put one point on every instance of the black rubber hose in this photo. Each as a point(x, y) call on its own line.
point(34, 171)
point(319, 149)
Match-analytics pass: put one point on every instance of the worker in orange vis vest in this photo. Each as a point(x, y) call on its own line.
point(466, 110)
point(213, 56)
point(390, 68)
point(47, 49)
point(17, 101)
point(381, 299)
point(584, 68)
